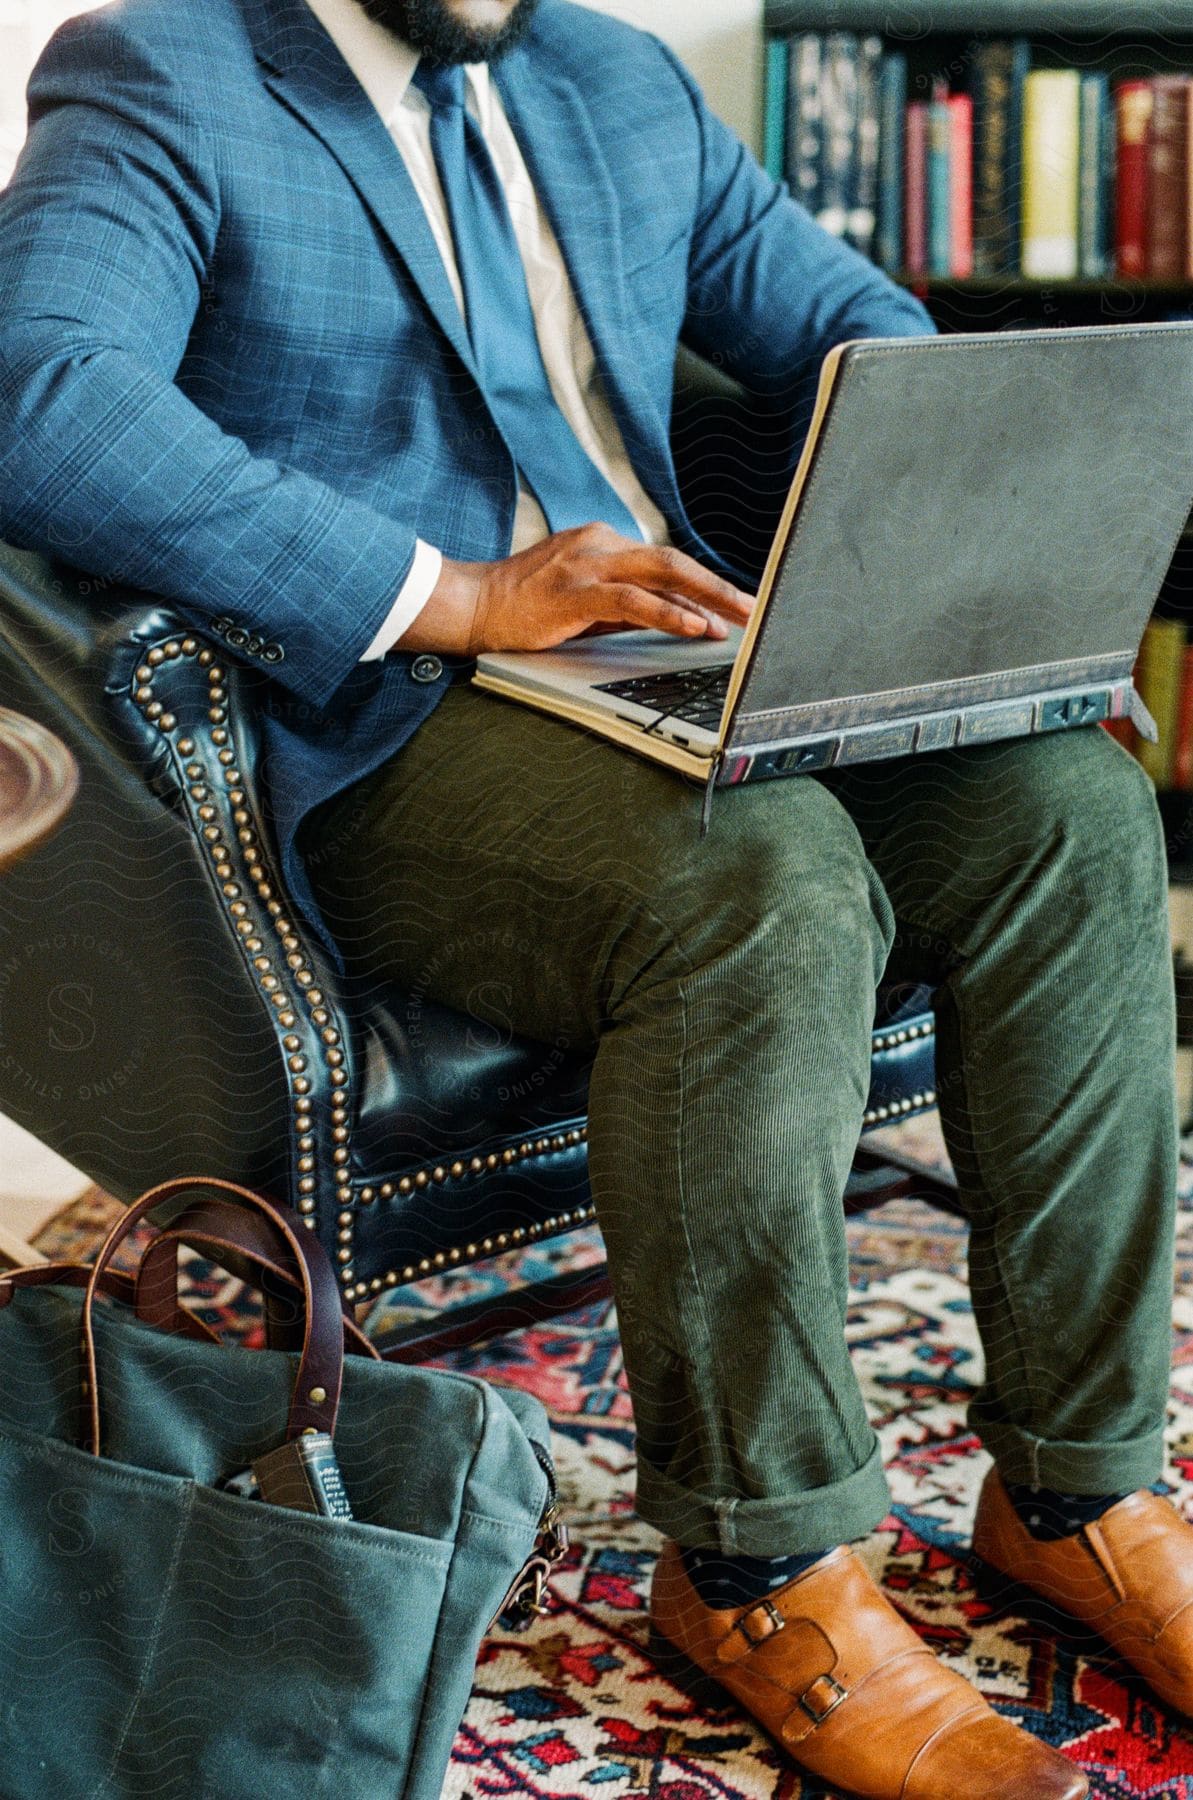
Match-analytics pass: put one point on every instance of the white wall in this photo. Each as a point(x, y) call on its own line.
point(24, 27)
point(721, 42)
point(719, 39)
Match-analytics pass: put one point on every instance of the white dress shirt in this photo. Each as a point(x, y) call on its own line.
point(384, 65)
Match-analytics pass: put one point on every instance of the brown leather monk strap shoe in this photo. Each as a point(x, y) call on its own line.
point(829, 1669)
point(1128, 1576)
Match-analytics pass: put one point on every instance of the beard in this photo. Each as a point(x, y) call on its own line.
point(428, 27)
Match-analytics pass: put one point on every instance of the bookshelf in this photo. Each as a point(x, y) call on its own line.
point(940, 42)
point(1095, 19)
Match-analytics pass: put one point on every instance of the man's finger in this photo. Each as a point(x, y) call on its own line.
point(664, 570)
point(652, 612)
point(717, 626)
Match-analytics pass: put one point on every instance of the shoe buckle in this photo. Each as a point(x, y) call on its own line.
point(766, 1618)
point(821, 1697)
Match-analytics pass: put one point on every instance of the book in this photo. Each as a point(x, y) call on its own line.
point(937, 186)
point(1160, 670)
point(991, 77)
point(916, 190)
point(1122, 730)
point(892, 102)
point(839, 102)
point(1167, 250)
point(1109, 165)
point(804, 118)
point(1133, 111)
point(862, 222)
point(775, 128)
point(1182, 753)
point(1051, 147)
point(960, 185)
point(1020, 70)
point(1093, 249)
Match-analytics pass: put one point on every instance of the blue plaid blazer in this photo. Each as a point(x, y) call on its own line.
point(232, 371)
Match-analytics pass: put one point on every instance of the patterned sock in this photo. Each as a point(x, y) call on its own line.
point(724, 1581)
point(1049, 1515)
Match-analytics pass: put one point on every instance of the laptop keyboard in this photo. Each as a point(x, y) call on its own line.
point(697, 696)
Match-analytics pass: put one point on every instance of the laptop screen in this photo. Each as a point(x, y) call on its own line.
point(978, 505)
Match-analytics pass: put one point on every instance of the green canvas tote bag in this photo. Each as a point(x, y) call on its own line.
point(164, 1638)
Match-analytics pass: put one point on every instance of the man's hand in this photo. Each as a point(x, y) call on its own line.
point(575, 582)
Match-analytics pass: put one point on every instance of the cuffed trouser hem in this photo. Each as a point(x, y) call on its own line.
point(1072, 1468)
point(814, 1519)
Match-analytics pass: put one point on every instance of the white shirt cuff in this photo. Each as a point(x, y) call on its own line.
point(415, 591)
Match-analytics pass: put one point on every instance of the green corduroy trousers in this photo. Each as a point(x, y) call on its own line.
point(547, 883)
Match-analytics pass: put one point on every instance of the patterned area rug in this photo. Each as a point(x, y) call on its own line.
point(573, 1710)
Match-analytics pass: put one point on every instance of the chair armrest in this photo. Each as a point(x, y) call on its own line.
point(160, 718)
point(194, 712)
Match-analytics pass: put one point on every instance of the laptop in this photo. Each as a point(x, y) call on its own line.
point(973, 541)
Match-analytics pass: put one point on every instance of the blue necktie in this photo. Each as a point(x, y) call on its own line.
point(553, 464)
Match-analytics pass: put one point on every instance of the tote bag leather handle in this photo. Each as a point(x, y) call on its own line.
point(321, 1362)
point(242, 1242)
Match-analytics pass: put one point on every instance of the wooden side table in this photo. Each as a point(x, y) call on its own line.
point(38, 781)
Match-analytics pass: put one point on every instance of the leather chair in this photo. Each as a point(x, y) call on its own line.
point(163, 1012)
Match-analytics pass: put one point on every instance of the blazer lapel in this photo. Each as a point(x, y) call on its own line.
point(572, 180)
point(305, 71)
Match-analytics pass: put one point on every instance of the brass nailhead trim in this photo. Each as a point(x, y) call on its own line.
point(477, 1165)
point(489, 1246)
point(900, 1109)
point(906, 1034)
point(207, 818)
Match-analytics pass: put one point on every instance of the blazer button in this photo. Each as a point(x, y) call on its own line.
point(426, 668)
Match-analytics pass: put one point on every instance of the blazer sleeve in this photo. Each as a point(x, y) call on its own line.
point(770, 292)
point(107, 231)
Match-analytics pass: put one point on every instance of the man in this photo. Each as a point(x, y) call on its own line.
point(355, 321)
